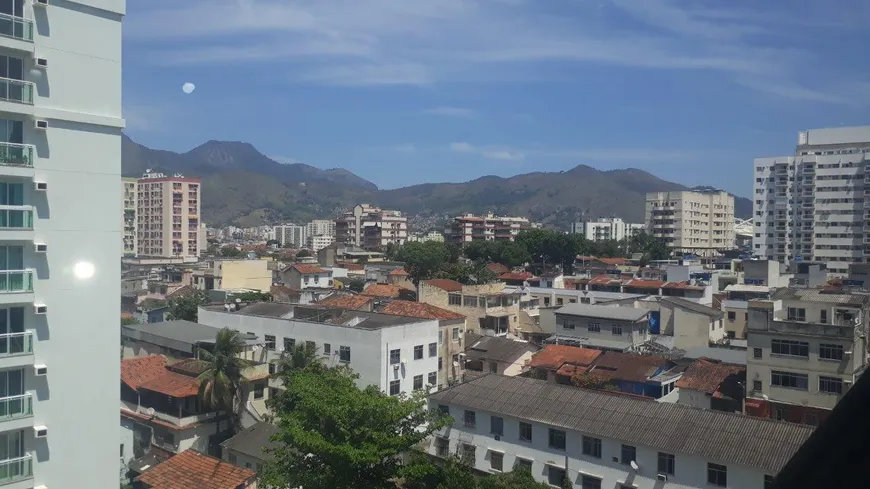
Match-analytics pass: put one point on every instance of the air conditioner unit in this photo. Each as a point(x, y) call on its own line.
point(662, 477)
point(40, 186)
point(40, 309)
point(40, 247)
point(40, 431)
point(847, 353)
point(40, 125)
point(40, 370)
point(40, 62)
point(40, 3)
point(847, 382)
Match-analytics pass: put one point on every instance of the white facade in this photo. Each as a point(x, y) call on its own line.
point(812, 204)
point(607, 228)
point(368, 347)
point(60, 189)
point(291, 235)
point(700, 223)
point(320, 227)
point(317, 242)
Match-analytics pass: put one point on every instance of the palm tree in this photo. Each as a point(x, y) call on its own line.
point(221, 379)
point(301, 356)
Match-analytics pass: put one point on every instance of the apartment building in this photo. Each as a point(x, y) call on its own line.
point(233, 275)
point(468, 228)
point(690, 222)
point(371, 228)
point(320, 227)
point(606, 229)
point(60, 170)
point(317, 242)
point(601, 440)
point(602, 327)
point(812, 205)
point(759, 279)
point(487, 307)
point(128, 236)
point(397, 354)
point(291, 235)
point(168, 214)
point(805, 349)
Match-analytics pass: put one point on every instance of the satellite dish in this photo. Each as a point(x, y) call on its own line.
point(634, 465)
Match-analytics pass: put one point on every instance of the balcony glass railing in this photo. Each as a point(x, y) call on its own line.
point(15, 154)
point(14, 407)
point(16, 217)
point(15, 469)
point(16, 27)
point(12, 281)
point(16, 90)
point(12, 344)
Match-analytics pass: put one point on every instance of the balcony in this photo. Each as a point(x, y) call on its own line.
point(16, 281)
point(16, 217)
point(16, 469)
point(18, 91)
point(16, 27)
point(16, 407)
point(15, 154)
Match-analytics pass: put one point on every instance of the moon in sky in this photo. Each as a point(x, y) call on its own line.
point(188, 87)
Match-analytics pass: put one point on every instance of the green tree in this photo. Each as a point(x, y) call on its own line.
point(423, 260)
point(253, 296)
point(592, 381)
point(221, 380)
point(186, 308)
point(510, 253)
point(303, 253)
point(356, 284)
point(652, 248)
point(334, 435)
point(474, 274)
point(128, 321)
point(231, 252)
point(301, 356)
point(519, 478)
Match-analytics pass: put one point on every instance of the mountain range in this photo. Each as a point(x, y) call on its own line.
point(245, 187)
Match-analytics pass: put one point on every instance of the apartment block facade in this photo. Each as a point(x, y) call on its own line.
point(168, 214)
point(291, 235)
point(812, 205)
point(371, 228)
point(128, 194)
point(468, 228)
point(606, 229)
point(690, 222)
point(320, 227)
point(60, 228)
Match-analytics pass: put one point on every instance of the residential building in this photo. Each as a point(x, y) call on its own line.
point(168, 213)
point(806, 348)
point(469, 227)
point(371, 228)
point(691, 324)
point(321, 227)
point(291, 235)
point(558, 363)
point(495, 355)
point(592, 437)
point(61, 224)
point(487, 306)
point(195, 469)
point(397, 354)
point(758, 279)
point(300, 277)
point(430, 236)
point(601, 327)
point(811, 206)
point(692, 222)
point(234, 275)
point(175, 340)
point(128, 217)
point(709, 384)
point(607, 229)
point(317, 242)
point(249, 448)
point(339, 254)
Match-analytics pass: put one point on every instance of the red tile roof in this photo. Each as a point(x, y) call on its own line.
point(681, 285)
point(346, 301)
point(382, 290)
point(173, 384)
point(351, 266)
point(497, 268)
point(399, 272)
point(553, 357)
point(647, 284)
point(707, 375)
point(307, 269)
point(613, 261)
point(191, 469)
point(137, 371)
point(604, 280)
point(419, 310)
point(626, 366)
point(516, 276)
point(444, 284)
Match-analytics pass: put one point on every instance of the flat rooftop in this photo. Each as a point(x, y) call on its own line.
point(313, 313)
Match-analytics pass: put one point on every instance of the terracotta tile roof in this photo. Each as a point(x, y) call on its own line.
point(627, 366)
point(307, 269)
point(351, 266)
point(191, 469)
point(613, 261)
point(604, 280)
point(707, 375)
point(516, 276)
point(173, 384)
point(182, 291)
point(647, 284)
point(419, 310)
point(553, 357)
point(382, 290)
point(681, 285)
point(126, 315)
point(569, 370)
point(444, 284)
point(497, 268)
point(345, 301)
point(137, 371)
point(399, 272)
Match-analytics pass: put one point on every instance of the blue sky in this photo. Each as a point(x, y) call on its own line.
point(411, 91)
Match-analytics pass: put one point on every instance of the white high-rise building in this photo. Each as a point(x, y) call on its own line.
point(692, 222)
point(60, 172)
point(291, 235)
point(812, 205)
point(320, 227)
point(607, 229)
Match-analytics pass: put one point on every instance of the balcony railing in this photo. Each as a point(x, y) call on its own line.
point(16, 217)
point(12, 344)
point(16, 27)
point(16, 469)
point(16, 281)
point(16, 90)
point(14, 407)
point(15, 154)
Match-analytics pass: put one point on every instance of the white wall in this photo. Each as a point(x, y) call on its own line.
point(693, 398)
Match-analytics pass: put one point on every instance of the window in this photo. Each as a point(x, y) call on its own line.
point(525, 431)
point(344, 353)
point(270, 342)
point(830, 352)
point(756, 353)
point(122, 449)
point(258, 390)
point(470, 418)
point(780, 414)
point(592, 446)
point(273, 367)
point(395, 357)
point(756, 385)
point(289, 343)
point(629, 454)
point(259, 468)
point(594, 327)
point(468, 454)
point(797, 314)
point(557, 439)
point(395, 388)
point(823, 317)
point(311, 345)
point(327, 349)
point(568, 325)
point(589, 482)
point(523, 464)
point(433, 378)
point(455, 334)
point(496, 425)
point(768, 482)
point(555, 476)
point(616, 330)
point(830, 385)
point(470, 301)
point(440, 363)
point(433, 350)
point(496, 460)
point(560, 301)
point(440, 336)
point(732, 315)
point(790, 347)
point(789, 379)
point(418, 352)
point(454, 299)
point(717, 475)
point(442, 446)
point(811, 419)
point(667, 463)
point(418, 382)
point(493, 367)
point(233, 458)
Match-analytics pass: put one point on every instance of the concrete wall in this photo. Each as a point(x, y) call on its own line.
point(690, 329)
point(693, 398)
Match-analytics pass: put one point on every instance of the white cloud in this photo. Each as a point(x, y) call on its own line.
point(592, 155)
point(451, 112)
point(488, 152)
